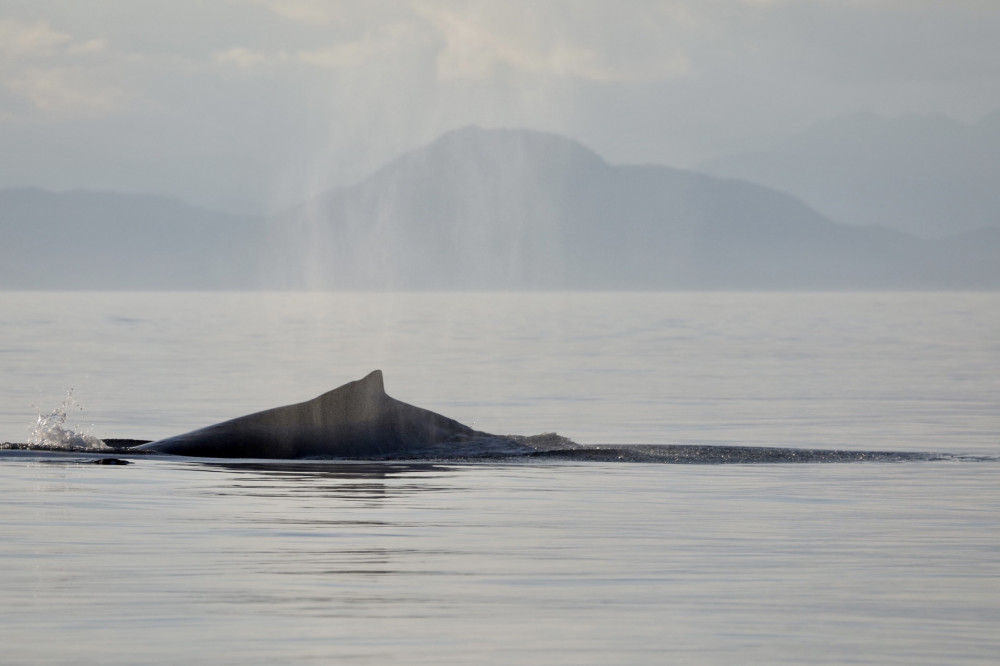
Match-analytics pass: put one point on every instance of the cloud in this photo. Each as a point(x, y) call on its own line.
point(43, 73)
point(393, 41)
point(473, 48)
point(241, 57)
point(21, 40)
point(306, 11)
point(340, 12)
point(351, 83)
point(586, 40)
point(64, 91)
point(90, 46)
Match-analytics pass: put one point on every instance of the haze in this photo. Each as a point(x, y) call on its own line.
point(253, 105)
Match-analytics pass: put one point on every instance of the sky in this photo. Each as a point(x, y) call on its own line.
point(252, 105)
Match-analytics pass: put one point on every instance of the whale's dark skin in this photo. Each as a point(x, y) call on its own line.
point(357, 419)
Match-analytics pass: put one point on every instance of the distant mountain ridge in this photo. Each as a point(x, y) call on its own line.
point(118, 241)
point(481, 209)
point(521, 209)
point(926, 175)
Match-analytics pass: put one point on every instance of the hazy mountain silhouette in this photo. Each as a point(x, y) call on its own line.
point(520, 209)
point(107, 240)
point(927, 175)
point(481, 209)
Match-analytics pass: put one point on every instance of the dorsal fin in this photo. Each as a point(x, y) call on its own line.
point(367, 388)
point(372, 382)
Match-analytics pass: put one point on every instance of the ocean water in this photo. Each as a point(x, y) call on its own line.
point(549, 562)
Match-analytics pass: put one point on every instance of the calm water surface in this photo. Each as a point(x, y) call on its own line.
point(169, 560)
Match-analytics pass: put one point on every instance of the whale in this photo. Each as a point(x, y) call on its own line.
point(360, 421)
point(357, 419)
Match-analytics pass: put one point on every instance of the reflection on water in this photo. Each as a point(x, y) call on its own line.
point(341, 480)
point(160, 561)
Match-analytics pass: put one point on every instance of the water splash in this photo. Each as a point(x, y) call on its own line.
point(50, 431)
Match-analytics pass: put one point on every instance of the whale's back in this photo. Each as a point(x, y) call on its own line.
point(356, 419)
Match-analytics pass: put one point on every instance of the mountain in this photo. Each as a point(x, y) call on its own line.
point(927, 175)
point(481, 209)
point(518, 209)
point(107, 240)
